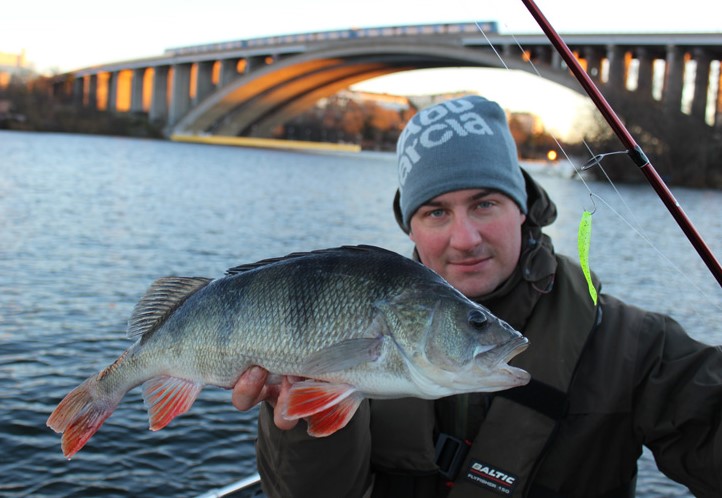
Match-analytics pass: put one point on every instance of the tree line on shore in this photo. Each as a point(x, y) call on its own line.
point(34, 107)
point(684, 151)
point(377, 126)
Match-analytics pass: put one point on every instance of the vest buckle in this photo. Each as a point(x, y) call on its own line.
point(450, 455)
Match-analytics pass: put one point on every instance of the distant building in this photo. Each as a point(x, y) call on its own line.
point(528, 123)
point(423, 101)
point(386, 100)
point(13, 66)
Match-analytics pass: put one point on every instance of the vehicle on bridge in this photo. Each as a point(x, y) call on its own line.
point(341, 34)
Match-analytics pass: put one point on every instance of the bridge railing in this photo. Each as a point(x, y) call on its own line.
point(341, 34)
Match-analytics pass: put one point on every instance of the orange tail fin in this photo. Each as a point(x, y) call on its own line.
point(79, 415)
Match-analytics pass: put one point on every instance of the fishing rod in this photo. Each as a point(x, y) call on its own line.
point(633, 149)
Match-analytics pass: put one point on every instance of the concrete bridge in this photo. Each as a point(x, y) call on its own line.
point(248, 87)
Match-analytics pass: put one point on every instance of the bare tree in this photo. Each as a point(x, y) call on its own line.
point(683, 150)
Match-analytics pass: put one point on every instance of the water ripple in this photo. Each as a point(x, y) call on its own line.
point(89, 222)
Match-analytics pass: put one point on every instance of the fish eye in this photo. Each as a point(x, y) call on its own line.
point(477, 319)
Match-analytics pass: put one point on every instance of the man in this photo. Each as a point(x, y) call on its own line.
point(607, 378)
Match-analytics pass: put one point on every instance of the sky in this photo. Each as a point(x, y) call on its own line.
point(59, 36)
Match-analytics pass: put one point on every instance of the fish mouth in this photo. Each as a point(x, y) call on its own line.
point(504, 352)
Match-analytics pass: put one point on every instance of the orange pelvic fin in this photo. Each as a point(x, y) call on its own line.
point(327, 407)
point(79, 415)
point(168, 397)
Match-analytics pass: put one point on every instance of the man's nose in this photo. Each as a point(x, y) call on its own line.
point(465, 234)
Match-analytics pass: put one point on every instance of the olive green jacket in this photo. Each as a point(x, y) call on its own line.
point(639, 381)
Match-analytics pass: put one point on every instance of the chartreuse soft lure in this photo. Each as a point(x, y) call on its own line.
point(584, 240)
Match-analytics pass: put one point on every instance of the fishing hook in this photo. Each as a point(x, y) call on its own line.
point(592, 195)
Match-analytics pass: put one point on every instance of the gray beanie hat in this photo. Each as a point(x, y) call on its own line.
point(458, 144)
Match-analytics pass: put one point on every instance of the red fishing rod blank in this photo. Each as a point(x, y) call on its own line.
point(633, 149)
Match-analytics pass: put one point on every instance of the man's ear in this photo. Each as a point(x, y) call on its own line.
point(397, 212)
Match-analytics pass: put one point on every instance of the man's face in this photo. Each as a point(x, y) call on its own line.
point(472, 238)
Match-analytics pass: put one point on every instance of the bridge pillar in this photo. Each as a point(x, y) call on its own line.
point(645, 72)
point(228, 71)
point(112, 100)
point(136, 90)
point(701, 83)
point(180, 99)
point(617, 77)
point(204, 80)
point(78, 91)
point(673, 78)
point(93, 92)
point(594, 62)
point(542, 54)
point(556, 60)
point(253, 63)
point(159, 98)
point(508, 53)
point(718, 107)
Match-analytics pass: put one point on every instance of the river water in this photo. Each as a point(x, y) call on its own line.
point(86, 223)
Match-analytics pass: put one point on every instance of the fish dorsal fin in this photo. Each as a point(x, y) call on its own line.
point(319, 252)
point(264, 262)
point(163, 297)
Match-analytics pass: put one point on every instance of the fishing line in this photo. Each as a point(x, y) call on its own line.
point(584, 232)
point(596, 161)
point(501, 59)
point(635, 151)
point(637, 227)
point(585, 224)
point(536, 71)
point(703, 293)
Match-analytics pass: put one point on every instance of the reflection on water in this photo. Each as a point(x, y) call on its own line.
point(88, 222)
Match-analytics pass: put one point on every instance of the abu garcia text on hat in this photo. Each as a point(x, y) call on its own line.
point(438, 125)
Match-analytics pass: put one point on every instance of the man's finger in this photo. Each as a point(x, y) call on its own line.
point(248, 391)
point(283, 423)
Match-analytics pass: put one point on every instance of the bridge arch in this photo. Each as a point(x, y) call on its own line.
point(197, 89)
point(254, 104)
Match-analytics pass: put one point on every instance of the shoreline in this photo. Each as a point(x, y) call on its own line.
point(266, 143)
